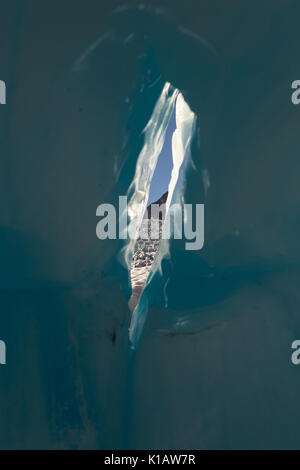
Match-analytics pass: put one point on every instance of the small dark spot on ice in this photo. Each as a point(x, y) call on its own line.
point(113, 336)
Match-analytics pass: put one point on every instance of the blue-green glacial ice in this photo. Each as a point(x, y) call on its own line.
point(207, 361)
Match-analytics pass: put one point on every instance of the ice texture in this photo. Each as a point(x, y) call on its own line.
point(212, 370)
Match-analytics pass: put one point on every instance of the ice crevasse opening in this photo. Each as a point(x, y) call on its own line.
point(143, 252)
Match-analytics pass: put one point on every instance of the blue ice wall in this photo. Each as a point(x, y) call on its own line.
point(213, 369)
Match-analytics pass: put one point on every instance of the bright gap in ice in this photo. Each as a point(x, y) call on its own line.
point(158, 179)
point(163, 170)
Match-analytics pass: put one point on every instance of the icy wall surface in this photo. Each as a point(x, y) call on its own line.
point(212, 370)
point(181, 140)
